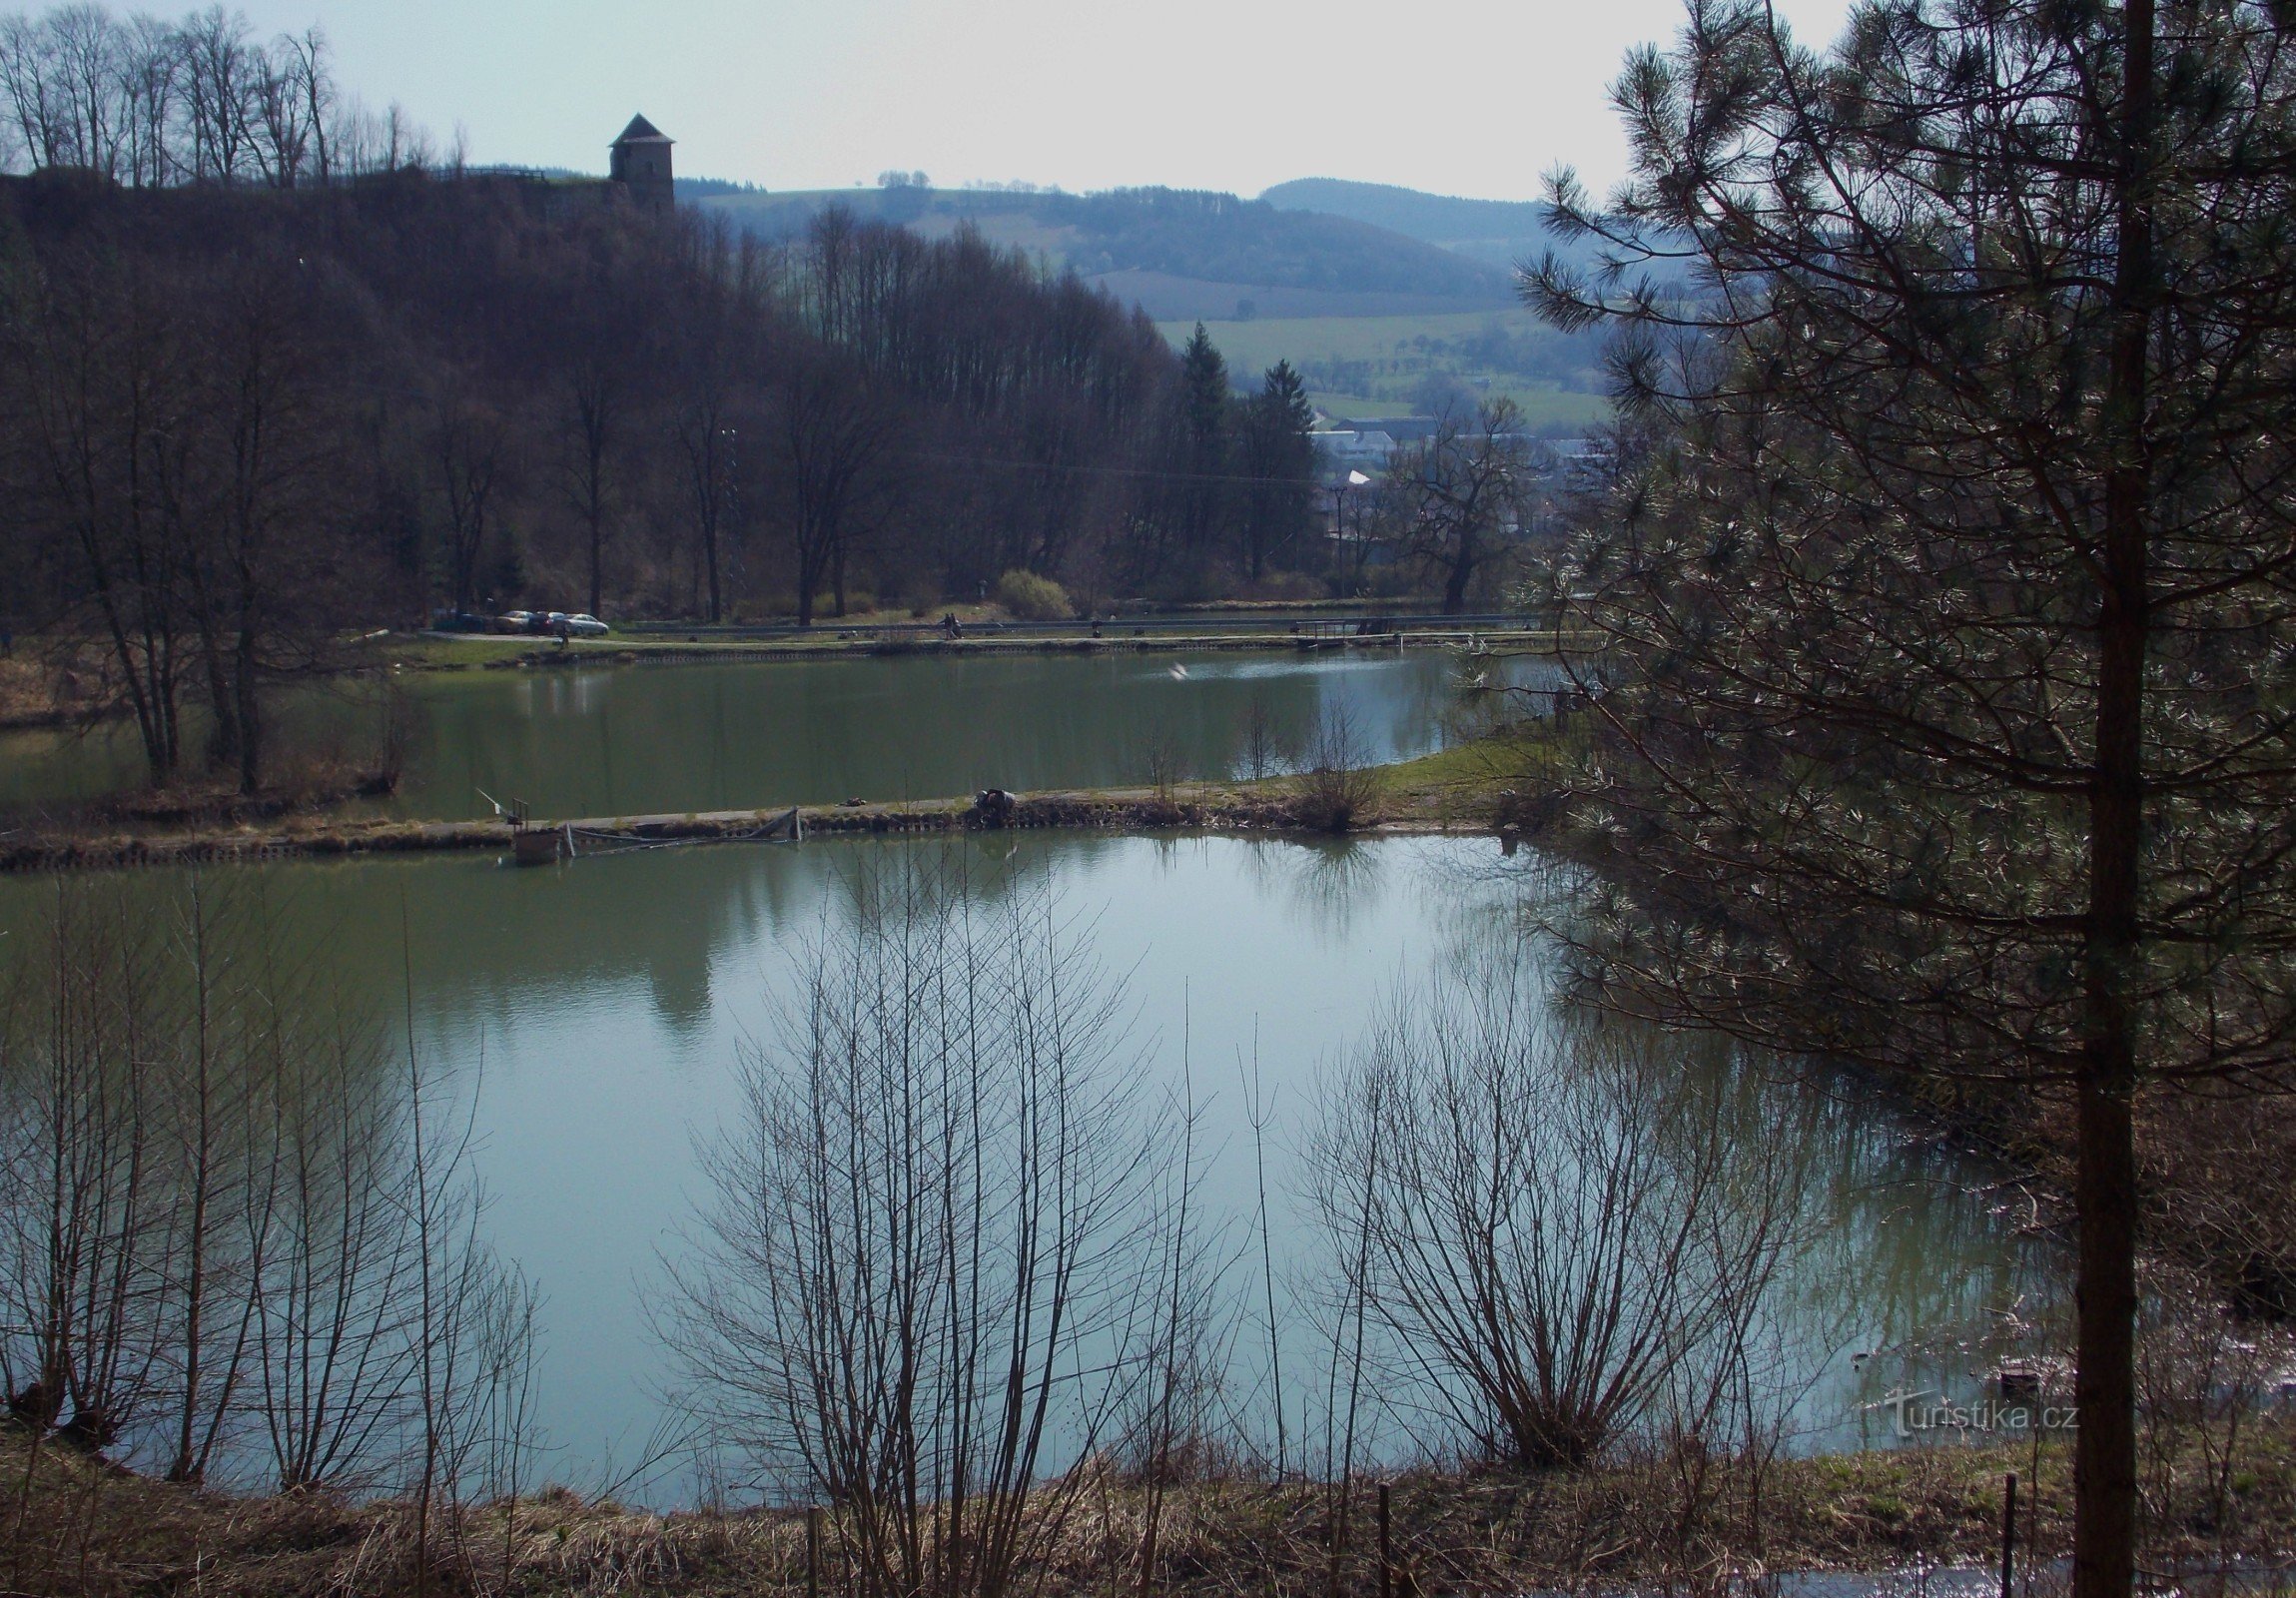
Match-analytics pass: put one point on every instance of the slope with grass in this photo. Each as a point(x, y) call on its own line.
point(1166, 248)
point(1499, 233)
point(1391, 365)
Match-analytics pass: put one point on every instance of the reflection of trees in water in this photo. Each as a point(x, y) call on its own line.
point(1333, 883)
point(628, 740)
point(239, 1233)
point(1903, 1251)
point(1559, 1230)
point(1870, 1241)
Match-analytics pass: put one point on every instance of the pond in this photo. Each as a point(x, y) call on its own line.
point(713, 735)
point(590, 1018)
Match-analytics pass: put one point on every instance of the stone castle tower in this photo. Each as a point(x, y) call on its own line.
point(641, 165)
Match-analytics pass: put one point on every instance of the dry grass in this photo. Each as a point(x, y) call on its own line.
point(87, 1530)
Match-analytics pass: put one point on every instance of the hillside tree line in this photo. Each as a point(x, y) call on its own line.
point(273, 374)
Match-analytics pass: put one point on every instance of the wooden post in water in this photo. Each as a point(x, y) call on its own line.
point(2008, 1535)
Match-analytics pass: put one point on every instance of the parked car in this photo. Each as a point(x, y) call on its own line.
point(581, 624)
point(456, 621)
point(518, 621)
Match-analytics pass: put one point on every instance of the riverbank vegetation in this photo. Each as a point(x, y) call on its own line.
point(1625, 1526)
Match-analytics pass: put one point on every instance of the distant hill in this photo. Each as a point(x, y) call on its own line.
point(1389, 301)
point(1178, 253)
point(1499, 233)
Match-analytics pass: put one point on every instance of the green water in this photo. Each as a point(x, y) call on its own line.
point(592, 1015)
point(624, 740)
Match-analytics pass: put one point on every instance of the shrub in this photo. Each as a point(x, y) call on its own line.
point(1340, 783)
point(1030, 597)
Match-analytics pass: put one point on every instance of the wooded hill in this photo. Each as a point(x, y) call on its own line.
point(1178, 253)
point(1498, 233)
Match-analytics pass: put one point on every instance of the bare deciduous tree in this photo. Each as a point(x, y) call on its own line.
point(469, 444)
point(231, 1240)
point(925, 1283)
point(1454, 499)
point(1544, 1220)
point(832, 442)
point(1339, 780)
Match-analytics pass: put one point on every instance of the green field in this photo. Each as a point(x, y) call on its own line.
point(1387, 360)
point(1258, 344)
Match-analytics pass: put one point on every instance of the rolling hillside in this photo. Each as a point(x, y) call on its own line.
point(1497, 233)
point(1389, 302)
point(1178, 253)
point(1403, 366)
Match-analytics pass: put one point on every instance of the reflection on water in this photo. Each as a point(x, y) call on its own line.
point(594, 1013)
point(608, 740)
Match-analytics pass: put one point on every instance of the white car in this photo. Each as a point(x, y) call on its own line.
point(579, 625)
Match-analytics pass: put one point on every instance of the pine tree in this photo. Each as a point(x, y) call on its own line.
point(1205, 411)
point(1947, 623)
point(1279, 465)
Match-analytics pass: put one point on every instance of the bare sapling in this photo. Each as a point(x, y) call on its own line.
point(1546, 1228)
point(1259, 1109)
point(1173, 1432)
point(930, 1278)
point(1160, 749)
point(2205, 1378)
point(1263, 754)
point(338, 1277)
point(87, 1241)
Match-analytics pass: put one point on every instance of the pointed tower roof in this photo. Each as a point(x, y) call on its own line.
point(640, 131)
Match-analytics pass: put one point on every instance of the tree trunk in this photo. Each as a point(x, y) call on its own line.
point(2104, 1393)
point(249, 714)
point(246, 709)
point(709, 553)
point(1462, 569)
point(186, 1465)
point(598, 550)
point(2104, 1181)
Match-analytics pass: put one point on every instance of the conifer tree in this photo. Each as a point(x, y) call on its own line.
point(1946, 611)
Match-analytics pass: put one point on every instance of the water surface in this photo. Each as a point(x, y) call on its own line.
point(593, 1014)
point(611, 740)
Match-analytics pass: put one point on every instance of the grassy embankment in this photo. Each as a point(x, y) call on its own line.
point(305, 812)
point(81, 1528)
point(1457, 790)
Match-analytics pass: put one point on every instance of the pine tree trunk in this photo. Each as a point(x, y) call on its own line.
point(2104, 1179)
point(2104, 1456)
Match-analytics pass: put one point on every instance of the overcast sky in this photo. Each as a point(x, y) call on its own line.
point(1471, 97)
